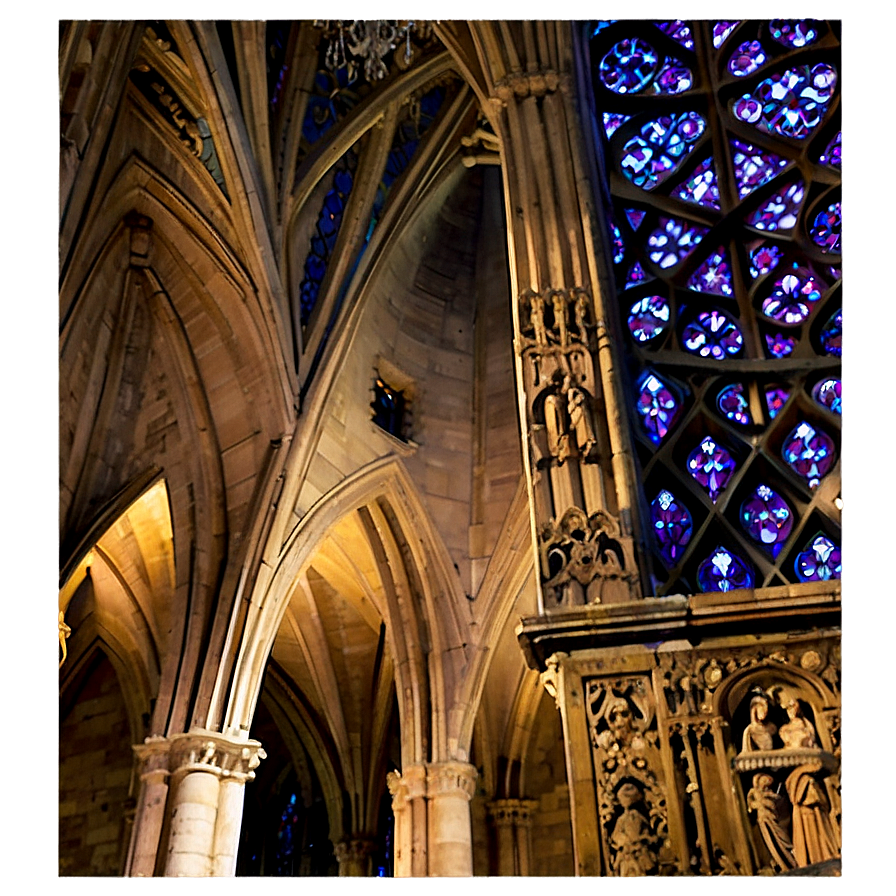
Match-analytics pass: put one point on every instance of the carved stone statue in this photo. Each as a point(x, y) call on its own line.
point(580, 421)
point(759, 733)
point(813, 832)
point(772, 818)
point(798, 732)
point(631, 836)
point(536, 317)
point(581, 312)
point(556, 425)
point(558, 300)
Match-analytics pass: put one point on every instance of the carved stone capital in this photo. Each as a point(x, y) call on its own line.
point(200, 751)
point(512, 813)
point(520, 85)
point(348, 851)
point(153, 757)
point(444, 778)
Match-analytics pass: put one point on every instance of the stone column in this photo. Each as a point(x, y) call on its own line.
point(450, 787)
point(512, 821)
point(150, 815)
point(353, 856)
point(408, 791)
point(194, 807)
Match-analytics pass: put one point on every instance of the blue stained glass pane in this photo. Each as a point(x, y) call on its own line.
point(821, 561)
point(648, 318)
point(612, 120)
point(827, 393)
point(702, 187)
point(832, 155)
point(712, 466)
point(746, 59)
point(657, 408)
point(809, 452)
point(781, 211)
point(636, 276)
point(779, 345)
point(628, 66)
point(832, 335)
point(712, 335)
point(673, 241)
point(662, 145)
point(677, 30)
point(794, 32)
point(597, 27)
point(714, 275)
point(618, 245)
point(672, 526)
point(733, 404)
point(753, 167)
point(826, 228)
point(635, 217)
point(720, 32)
point(763, 259)
point(723, 571)
point(673, 78)
point(767, 518)
point(775, 399)
point(793, 296)
point(789, 103)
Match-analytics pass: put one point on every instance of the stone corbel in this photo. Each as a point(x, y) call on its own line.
point(140, 238)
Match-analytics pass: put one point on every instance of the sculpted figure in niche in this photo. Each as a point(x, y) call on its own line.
point(773, 819)
point(799, 732)
point(759, 733)
point(580, 422)
point(631, 836)
point(536, 317)
point(813, 831)
point(556, 425)
point(558, 300)
point(581, 311)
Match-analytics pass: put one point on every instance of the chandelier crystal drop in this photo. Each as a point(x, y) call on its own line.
point(356, 44)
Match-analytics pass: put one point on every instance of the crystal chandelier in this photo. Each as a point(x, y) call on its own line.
point(367, 42)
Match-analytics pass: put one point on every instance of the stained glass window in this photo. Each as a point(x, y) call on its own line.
point(819, 561)
point(723, 204)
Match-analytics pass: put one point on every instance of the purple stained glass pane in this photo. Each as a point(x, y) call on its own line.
point(673, 241)
point(789, 103)
point(636, 276)
point(794, 32)
point(779, 345)
point(662, 145)
point(648, 318)
point(832, 335)
point(672, 525)
point(781, 211)
point(702, 187)
point(612, 121)
point(746, 59)
point(753, 167)
point(827, 394)
point(734, 405)
point(723, 571)
point(835, 272)
point(793, 297)
point(832, 154)
point(720, 32)
point(775, 399)
point(628, 66)
point(809, 452)
point(711, 465)
point(673, 78)
point(819, 562)
point(657, 407)
point(712, 335)
point(635, 217)
point(618, 245)
point(763, 259)
point(767, 518)
point(677, 30)
point(713, 276)
point(825, 231)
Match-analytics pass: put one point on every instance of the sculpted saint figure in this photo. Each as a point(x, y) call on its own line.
point(771, 816)
point(581, 312)
point(536, 317)
point(758, 734)
point(580, 422)
point(558, 299)
point(556, 424)
point(813, 831)
point(631, 836)
point(798, 732)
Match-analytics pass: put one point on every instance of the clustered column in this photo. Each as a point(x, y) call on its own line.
point(512, 821)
